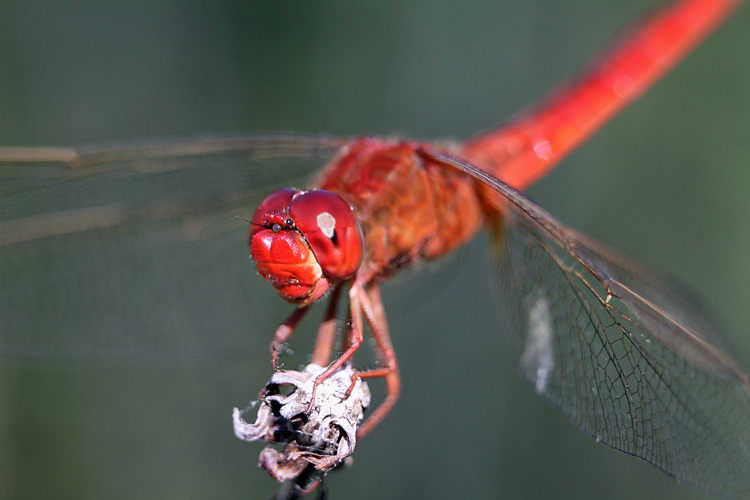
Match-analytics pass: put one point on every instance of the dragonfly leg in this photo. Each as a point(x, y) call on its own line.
point(284, 331)
point(369, 303)
point(374, 311)
point(321, 355)
point(352, 340)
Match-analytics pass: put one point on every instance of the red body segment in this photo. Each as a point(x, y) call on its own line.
point(525, 149)
point(409, 207)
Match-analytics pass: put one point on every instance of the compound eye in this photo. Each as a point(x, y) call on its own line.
point(330, 227)
point(273, 211)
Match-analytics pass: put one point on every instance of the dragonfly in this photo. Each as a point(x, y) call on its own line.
point(63, 222)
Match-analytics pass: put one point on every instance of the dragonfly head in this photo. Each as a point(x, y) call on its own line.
point(304, 241)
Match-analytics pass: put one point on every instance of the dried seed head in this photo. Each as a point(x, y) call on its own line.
point(321, 438)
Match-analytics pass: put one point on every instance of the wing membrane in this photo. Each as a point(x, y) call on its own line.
point(138, 250)
point(626, 353)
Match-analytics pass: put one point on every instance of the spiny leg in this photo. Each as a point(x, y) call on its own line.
point(352, 340)
point(372, 306)
point(326, 332)
point(369, 303)
point(321, 355)
point(284, 331)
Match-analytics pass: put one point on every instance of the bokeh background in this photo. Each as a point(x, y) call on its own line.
point(667, 182)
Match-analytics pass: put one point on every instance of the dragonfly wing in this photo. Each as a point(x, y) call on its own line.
point(624, 352)
point(138, 250)
point(616, 371)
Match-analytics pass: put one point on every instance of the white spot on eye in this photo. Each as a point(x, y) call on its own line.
point(326, 223)
point(537, 356)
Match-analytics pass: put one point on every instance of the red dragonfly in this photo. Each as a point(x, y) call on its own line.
point(620, 313)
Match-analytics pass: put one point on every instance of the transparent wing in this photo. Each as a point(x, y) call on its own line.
point(140, 250)
point(627, 354)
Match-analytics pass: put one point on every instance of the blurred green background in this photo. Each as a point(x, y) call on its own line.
point(667, 182)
